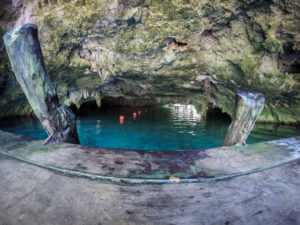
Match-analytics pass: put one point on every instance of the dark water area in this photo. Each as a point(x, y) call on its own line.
point(151, 128)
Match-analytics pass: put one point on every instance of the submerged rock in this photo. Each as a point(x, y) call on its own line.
point(23, 49)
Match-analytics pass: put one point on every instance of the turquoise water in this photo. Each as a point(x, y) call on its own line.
point(154, 129)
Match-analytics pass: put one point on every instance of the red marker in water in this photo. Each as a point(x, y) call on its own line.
point(140, 112)
point(134, 115)
point(122, 118)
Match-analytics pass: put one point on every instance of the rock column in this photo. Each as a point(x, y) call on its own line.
point(248, 106)
point(207, 95)
point(27, 62)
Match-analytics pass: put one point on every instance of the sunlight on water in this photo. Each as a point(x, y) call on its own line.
point(152, 128)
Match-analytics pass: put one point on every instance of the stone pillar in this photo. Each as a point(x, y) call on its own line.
point(248, 106)
point(207, 95)
point(207, 89)
point(27, 62)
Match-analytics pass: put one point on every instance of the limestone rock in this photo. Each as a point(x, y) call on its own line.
point(23, 48)
point(164, 46)
point(80, 96)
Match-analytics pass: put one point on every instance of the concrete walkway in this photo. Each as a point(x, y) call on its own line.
point(34, 195)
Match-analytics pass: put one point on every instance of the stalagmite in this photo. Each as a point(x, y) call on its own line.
point(248, 106)
point(25, 55)
point(207, 95)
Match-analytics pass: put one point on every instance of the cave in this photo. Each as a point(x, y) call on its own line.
point(149, 112)
point(289, 62)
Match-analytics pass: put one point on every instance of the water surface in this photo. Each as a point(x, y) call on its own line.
point(153, 128)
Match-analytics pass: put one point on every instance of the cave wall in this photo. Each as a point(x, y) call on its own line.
point(162, 51)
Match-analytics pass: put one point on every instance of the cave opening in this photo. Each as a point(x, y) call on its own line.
point(289, 61)
point(119, 103)
point(216, 113)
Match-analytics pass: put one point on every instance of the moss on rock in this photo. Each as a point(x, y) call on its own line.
point(91, 45)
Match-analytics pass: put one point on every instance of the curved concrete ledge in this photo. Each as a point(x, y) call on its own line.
point(120, 180)
point(33, 195)
point(151, 167)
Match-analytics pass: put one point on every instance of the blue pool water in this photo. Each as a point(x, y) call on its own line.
point(156, 128)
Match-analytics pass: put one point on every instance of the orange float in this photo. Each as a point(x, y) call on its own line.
point(122, 118)
point(140, 112)
point(134, 115)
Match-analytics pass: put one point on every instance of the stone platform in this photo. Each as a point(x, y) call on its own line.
point(73, 184)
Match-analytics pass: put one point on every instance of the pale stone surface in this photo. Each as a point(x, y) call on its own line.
point(32, 195)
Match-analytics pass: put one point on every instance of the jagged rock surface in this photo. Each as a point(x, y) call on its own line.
point(155, 52)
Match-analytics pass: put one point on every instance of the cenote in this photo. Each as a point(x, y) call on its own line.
point(153, 128)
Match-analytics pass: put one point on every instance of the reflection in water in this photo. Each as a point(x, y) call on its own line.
point(185, 112)
point(155, 128)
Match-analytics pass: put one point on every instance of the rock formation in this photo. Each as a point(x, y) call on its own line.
point(248, 106)
point(25, 55)
point(155, 51)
